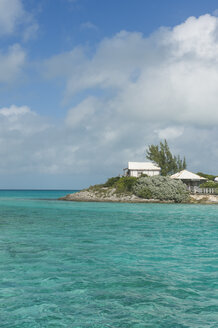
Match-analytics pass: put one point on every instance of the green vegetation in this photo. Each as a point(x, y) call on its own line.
point(111, 181)
point(207, 176)
point(121, 184)
point(125, 184)
point(209, 184)
point(97, 187)
point(162, 156)
point(157, 187)
point(162, 188)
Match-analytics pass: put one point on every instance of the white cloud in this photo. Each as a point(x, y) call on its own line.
point(171, 132)
point(22, 120)
point(163, 86)
point(11, 63)
point(13, 16)
point(197, 36)
point(215, 12)
point(88, 26)
point(91, 149)
point(134, 91)
point(172, 76)
point(65, 64)
point(83, 113)
point(113, 65)
point(14, 21)
point(31, 30)
point(28, 143)
point(11, 12)
point(14, 111)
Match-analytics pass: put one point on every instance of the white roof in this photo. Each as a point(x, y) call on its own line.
point(145, 166)
point(186, 175)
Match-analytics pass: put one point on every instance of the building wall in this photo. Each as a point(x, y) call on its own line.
point(137, 173)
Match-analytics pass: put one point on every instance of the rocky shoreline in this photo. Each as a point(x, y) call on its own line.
point(89, 196)
point(203, 199)
point(110, 195)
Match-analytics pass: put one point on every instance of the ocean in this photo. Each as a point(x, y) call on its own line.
point(99, 265)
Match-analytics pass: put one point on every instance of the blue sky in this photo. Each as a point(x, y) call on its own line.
point(86, 85)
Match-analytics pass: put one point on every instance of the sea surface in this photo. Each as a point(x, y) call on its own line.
point(99, 265)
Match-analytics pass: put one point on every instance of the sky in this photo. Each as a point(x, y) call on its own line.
point(88, 85)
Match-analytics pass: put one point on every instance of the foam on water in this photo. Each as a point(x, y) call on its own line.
point(99, 265)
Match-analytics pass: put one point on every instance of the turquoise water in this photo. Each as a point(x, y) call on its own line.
point(98, 265)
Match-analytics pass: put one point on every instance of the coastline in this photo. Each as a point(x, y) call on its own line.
point(110, 195)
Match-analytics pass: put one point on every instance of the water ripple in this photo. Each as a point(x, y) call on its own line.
point(107, 265)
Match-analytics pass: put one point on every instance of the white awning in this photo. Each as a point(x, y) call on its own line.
point(187, 175)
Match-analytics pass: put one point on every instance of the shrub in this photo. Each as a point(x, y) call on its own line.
point(144, 193)
point(162, 188)
point(143, 175)
point(125, 184)
point(96, 187)
point(111, 182)
point(209, 184)
point(207, 176)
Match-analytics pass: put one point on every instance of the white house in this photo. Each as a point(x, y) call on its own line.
point(136, 169)
point(190, 179)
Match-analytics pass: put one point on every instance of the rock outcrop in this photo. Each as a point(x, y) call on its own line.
point(107, 195)
point(203, 199)
point(104, 194)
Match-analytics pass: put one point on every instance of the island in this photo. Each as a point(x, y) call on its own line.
point(144, 189)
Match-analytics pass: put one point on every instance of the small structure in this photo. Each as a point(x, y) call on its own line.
point(192, 180)
point(136, 169)
point(216, 179)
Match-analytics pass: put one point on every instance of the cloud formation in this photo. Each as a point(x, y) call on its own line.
point(12, 16)
point(147, 88)
point(11, 63)
point(11, 13)
point(133, 91)
point(15, 22)
point(88, 26)
point(171, 76)
point(29, 143)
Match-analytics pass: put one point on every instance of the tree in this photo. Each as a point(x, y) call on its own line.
point(162, 156)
